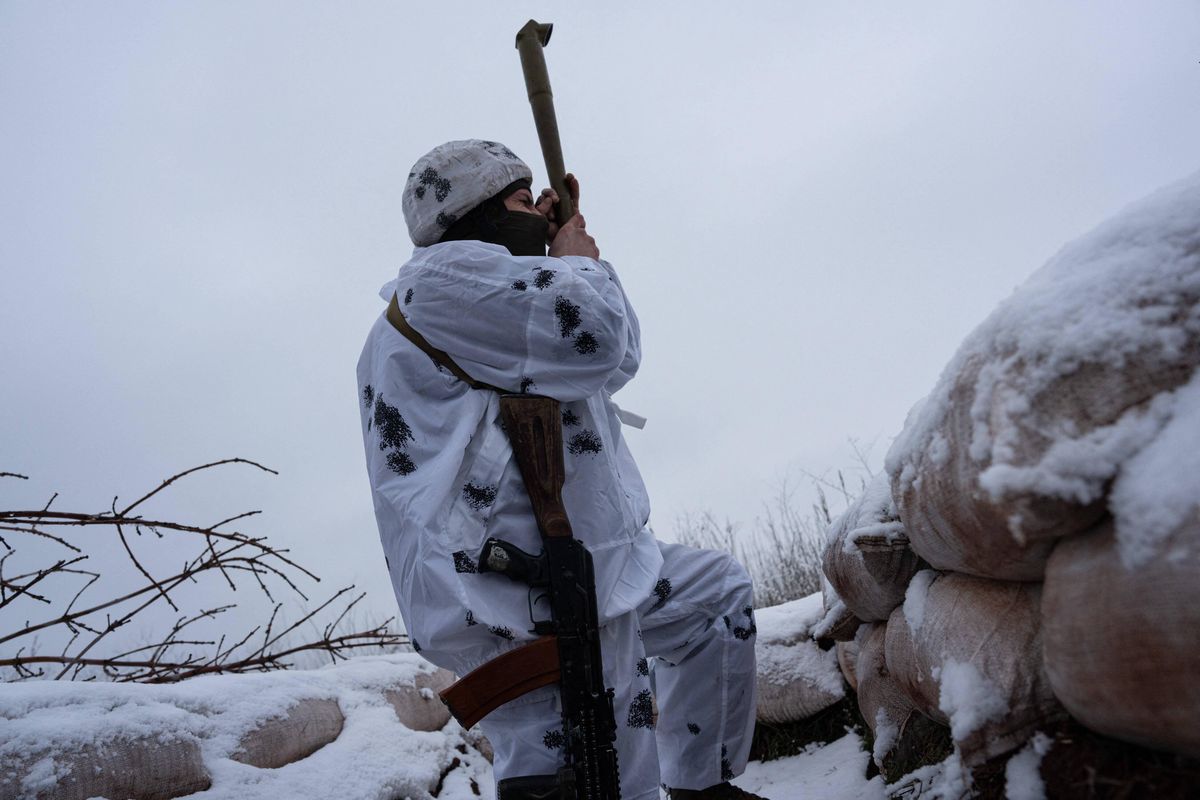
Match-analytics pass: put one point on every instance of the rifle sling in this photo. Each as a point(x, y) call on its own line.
point(440, 357)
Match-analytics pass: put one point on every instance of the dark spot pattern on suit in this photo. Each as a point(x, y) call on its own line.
point(408, 297)
point(693, 729)
point(520, 285)
point(586, 343)
point(400, 463)
point(641, 711)
point(568, 316)
point(527, 383)
point(479, 497)
point(471, 618)
point(502, 631)
point(544, 278)
point(643, 667)
point(569, 418)
point(393, 430)
point(584, 442)
point(663, 590)
point(726, 768)
point(554, 739)
point(463, 562)
point(743, 633)
point(368, 395)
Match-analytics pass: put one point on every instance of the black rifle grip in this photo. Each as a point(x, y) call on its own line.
point(534, 427)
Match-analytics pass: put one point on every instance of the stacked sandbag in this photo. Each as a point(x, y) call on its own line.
point(967, 652)
point(795, 678)
point(837, 623)
point(1042, 403)
point(868, 560)
point(883, 705)
point(1122, 623)
point(1061, 443)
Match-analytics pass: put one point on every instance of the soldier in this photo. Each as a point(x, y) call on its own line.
point(481, 288)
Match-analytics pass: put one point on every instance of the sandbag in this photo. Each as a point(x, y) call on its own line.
point(147, 768)
point(837, 623)
point(301, 731)
point(418, 706)
point(884, 706)
point(1122, 645)
point(967, 652)
point(1059, 386)
point(867, 558)
point(795, 678)
point(847, 657)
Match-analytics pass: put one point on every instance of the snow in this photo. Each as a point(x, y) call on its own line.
point(1022, 778)
point(835, 771)
point(968, 699)
point(872, 515)
point(375, 756)
point(914, 598)
point(1125, 294)
point(789, 621)
point(1159, 487)
point(886, 733)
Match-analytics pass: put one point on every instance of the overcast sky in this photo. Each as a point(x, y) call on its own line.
point(810, 205)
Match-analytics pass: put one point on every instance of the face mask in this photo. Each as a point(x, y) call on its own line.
point(523, 234)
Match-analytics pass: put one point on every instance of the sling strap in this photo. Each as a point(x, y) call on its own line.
point(440, 357)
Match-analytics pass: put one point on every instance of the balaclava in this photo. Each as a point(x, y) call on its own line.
point(456, 191)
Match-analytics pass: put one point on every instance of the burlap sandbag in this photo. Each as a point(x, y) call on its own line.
point(847, 656)
point(120, 769)
point(1045, 400)
point(884, 706)
point(867, 557)
point(838, 623)
point(967, 652)
point(418, 706)
point(795, 678)
point(304, 729)
point(1122, 646)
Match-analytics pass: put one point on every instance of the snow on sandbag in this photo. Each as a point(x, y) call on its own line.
point(1045, 400)
point(967, 652)
point(300, 731)
point(796, 678)
point(884, 706)
point(847, 657)
point(63, 739)
point(867, 558)
point(1122, 625)
point(418, 706)
point(146, 768)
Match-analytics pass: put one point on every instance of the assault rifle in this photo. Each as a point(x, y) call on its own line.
point(568, 651)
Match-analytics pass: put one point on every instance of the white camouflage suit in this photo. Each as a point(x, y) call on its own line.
point(443, 480)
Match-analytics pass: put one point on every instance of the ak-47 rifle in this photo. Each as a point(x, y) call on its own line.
point(569, 650)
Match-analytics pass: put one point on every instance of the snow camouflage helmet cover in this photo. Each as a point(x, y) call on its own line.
point(453, 178)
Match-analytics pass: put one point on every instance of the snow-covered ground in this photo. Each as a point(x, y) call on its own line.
point(63, 739)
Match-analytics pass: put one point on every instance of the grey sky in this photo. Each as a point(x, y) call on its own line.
point(809, 203)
